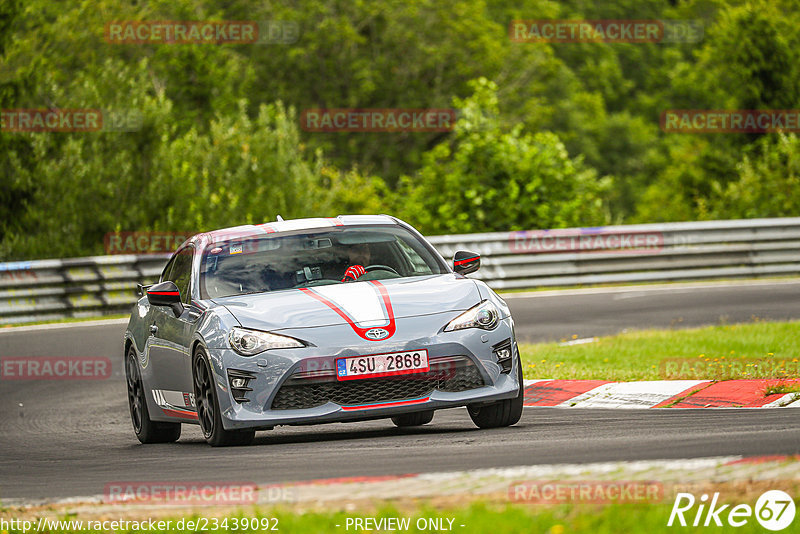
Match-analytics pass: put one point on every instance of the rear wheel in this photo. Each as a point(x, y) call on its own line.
point(413, 419)
point(208, 413)
point(147, 431)
point(501, 413)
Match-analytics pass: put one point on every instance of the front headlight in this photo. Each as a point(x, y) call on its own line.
point(484, 316)
point(250, 342)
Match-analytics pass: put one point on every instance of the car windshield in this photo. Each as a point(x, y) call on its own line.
point(257, 264)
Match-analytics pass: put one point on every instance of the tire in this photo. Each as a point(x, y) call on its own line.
point(208, 412)
point(413, 419)
point(147, 431)
point(501, 413)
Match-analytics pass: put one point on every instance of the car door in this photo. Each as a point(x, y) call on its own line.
point(171, 336)
point(153, 319)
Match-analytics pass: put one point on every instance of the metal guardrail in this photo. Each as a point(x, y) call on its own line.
point(42, 290)
point(54, 289)
point(748, 248)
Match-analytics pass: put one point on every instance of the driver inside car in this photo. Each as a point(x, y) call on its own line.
point(359, 258)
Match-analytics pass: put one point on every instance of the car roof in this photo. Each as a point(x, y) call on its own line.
point(291, 225)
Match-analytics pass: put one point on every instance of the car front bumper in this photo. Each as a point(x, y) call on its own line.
point(275, 369)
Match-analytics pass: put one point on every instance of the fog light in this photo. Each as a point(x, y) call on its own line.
point(503, 353)
point(239, 381)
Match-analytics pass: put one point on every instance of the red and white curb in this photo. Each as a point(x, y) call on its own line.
point(659, 394)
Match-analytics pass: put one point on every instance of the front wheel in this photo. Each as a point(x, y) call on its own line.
point(501, 413)
point(147, 431)
point(413, 419)
point(208, 413)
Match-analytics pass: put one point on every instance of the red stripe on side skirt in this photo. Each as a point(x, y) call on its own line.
point(179, 413)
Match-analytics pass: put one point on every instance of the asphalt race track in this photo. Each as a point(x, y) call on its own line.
point(64, 439)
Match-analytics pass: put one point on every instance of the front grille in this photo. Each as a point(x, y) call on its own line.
point(454, 374)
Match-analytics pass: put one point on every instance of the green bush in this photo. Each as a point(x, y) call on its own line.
point(486, 179)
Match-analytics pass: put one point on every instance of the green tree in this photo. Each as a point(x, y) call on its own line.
point(768, 182)
point(485, 179)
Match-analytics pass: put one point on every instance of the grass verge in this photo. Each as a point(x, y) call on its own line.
point(752, 350)
point(782, 389)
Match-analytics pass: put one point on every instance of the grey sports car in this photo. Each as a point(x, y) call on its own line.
point(312, 321)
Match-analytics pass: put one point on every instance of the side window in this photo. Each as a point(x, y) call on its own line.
point(418, 264)
point(181, 272)
point(165, 272)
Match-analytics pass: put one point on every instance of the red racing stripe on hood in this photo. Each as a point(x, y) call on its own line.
point(361, 331)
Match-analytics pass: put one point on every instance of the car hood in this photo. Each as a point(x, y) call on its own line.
point(360, 304)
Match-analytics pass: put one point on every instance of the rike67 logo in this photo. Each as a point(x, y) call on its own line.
point(774, 510)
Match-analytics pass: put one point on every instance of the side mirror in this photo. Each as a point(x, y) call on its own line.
point(465, 262)
point(165, 294)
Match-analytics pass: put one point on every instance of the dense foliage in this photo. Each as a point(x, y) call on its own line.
point(548, 135)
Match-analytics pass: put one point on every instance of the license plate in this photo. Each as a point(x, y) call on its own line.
point(394, 363)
